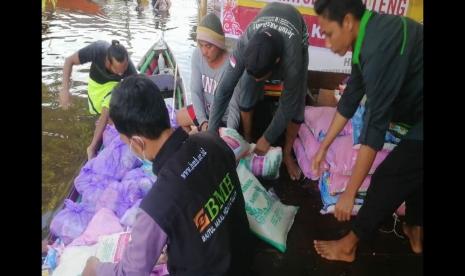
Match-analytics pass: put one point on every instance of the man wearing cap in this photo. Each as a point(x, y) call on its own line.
point(208, 64)
point(274, 45)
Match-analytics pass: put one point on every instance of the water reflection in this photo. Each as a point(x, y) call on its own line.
point(74, 25)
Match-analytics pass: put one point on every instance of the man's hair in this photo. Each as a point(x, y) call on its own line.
point(336, 10)
point(117, 51)
point(261, 53)
point(137, 108)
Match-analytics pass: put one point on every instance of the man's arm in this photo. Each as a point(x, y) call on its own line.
point(141, 254)
point(226, 86)
point(352, 95)
point(384, 78)
point(98, 133)
point(84, 55)
point(198, 99)
point(291, 97)
point(346, 108)
point(383, 73)
point(64, 96)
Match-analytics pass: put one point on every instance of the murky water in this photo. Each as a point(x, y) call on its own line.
point(73, 25)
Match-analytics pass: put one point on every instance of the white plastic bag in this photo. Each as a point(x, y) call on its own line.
point(268, 218)
point(266, 166)
point(235, 141)
point(73, 260)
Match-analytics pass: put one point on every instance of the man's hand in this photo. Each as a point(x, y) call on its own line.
point(317, 159)
point(344, 206)
point(262, 146)
point(204, 126)
point(91, 267)
point(90, 152)
point(163, 259)
point(193, 130)
point(65, 99)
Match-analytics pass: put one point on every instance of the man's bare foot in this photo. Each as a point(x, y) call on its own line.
point(292, 167)
point(339, 250)
point(415, 237)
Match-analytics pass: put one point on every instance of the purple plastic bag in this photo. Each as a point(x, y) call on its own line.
point(129, 216)
point(94, 190)
point(88, 179)
point(137, 177)
point(115, 160)
point(120, 196)
point(71, 222)
point(109, 134)
point(109, 197)
point(134, 186)
point(123, 203)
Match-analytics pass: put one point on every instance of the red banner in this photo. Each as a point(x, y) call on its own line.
point(237, 15)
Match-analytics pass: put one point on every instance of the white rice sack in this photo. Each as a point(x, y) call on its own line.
point(235, 141)
point(73, 260)
point(266, 166)
point(268, 218)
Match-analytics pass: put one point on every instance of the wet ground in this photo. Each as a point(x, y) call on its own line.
point(387, 255)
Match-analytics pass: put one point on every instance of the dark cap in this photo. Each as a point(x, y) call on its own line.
point(261, 53)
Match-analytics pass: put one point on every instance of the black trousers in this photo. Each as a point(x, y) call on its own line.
point(398, 178)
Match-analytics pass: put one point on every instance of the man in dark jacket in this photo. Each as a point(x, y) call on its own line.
point(195, 207)
point(387, 68)
point(275, 45)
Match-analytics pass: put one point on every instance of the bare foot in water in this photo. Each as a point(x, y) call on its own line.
point(415, 237)
point(292, 168)
point(338, 250)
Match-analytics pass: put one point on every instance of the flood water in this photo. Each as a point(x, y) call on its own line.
point(71, 26)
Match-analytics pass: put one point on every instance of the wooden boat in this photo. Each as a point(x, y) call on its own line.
point(165, 78)
point(159, 64)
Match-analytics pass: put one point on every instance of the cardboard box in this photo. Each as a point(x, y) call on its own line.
point(326, 97)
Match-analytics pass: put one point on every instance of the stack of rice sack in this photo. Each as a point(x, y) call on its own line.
point(341, 155)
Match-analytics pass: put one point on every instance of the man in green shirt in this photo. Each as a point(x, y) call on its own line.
point(387, 68)
point(110, 63)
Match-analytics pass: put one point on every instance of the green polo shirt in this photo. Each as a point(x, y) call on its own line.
point(387, 67)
